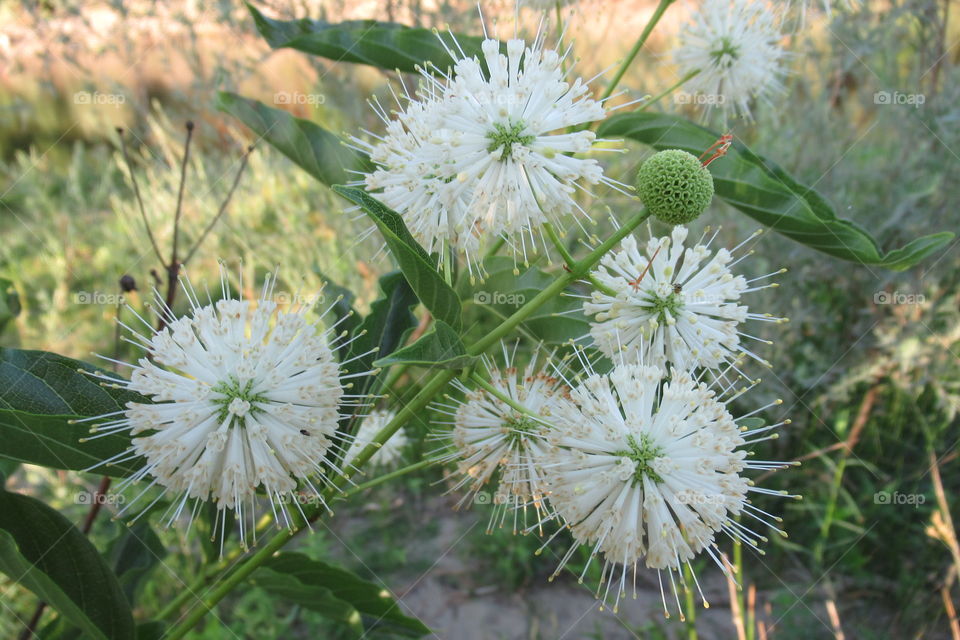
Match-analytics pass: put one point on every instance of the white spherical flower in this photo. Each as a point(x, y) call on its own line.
point(499, 436)
point(671, 304)
point(646, 469)
point(392, 449)
point(486, 151)
point(415, 175)
point(245, 402)
point(734, 45)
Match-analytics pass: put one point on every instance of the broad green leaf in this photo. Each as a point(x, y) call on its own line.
point(9, 303)
point(317, 151)
point(384, 329)
point(40, 394)
point(765, 192)
point(386, 45)
point(44, 552)
point(418, 267)
point(441, 348)
point(133, 555)
point(336, 593)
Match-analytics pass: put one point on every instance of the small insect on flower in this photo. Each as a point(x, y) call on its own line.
point(245, 402)
point(390, 452)
point(492, 149)
point(499, 437)
point(682, 309)
point(646, 468)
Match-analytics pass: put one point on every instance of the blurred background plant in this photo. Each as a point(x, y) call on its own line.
point(868, 367)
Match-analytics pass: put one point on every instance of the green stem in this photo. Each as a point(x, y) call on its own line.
point(739, 574)
point(495, 247)
point(690, 604)
point(395, 374)
point(637, 46)
point(406, 412)
point(558, 243)
point(829, 511)
point(189, 591)
point(575, 272)
point(388, 476)
point(671, 89)
point(499, 395)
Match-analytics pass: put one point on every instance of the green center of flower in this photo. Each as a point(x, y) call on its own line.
point(725, 53)
point(643, 451)
point(520, 426)
point(504, 136)
point(664, 305)
point(237, 399)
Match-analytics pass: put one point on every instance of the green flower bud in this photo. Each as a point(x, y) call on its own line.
point(674, 186)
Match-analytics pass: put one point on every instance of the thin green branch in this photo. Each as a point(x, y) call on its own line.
point(477, 379)
point(690, 75)
point(637, 46)
point(388, 476)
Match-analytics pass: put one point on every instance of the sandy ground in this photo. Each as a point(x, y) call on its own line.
point(445, 586)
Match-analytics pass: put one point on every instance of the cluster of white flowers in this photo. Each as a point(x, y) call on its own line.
point(487, 151)
point(643, 464)
point(245, 399)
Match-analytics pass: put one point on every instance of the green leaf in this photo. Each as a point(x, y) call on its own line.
point(441, 348)
point(44, 552)
point(418, 267)
point(133, 554)
point(314, 149)
point(751, 423)
point(153, 630)
point(384, 329)
point(7, 469)
point(335, 593)
point(346, 317)
point(386, 45)
point(765, 192)
point(9, 303)
point(40, 393)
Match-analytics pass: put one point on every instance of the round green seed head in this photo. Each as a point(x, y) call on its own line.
point(674, 186)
